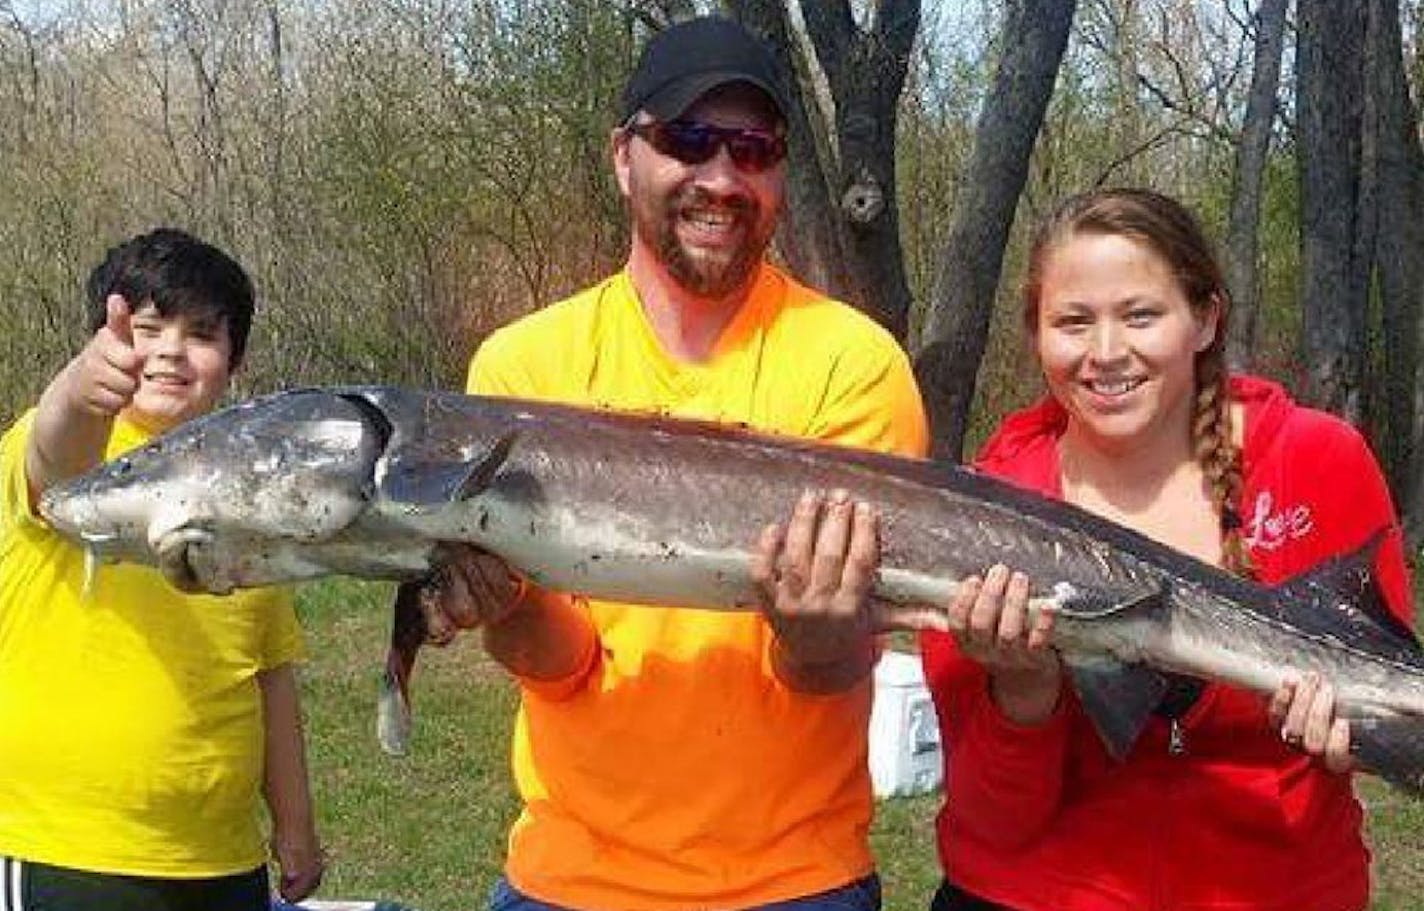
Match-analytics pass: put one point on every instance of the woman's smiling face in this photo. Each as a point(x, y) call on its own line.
point(1117, 339)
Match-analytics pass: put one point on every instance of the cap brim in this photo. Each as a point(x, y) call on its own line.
point(673, 100)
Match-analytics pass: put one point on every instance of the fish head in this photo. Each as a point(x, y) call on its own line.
point(226, 500)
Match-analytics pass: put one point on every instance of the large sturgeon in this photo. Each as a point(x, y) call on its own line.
point(369, 481)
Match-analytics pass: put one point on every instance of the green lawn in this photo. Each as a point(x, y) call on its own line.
point(428, 830)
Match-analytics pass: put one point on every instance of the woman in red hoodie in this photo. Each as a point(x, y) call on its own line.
point(1228, 800)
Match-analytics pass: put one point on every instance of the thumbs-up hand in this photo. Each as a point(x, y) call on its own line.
point(107, 372)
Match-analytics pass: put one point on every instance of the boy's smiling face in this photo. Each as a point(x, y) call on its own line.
point(187, 363)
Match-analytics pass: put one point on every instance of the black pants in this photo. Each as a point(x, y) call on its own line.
point(40, 887)
point(949, 897)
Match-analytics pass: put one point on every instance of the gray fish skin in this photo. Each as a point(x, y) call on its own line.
point(367, 481)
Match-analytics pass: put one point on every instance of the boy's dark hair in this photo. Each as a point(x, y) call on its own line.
point(179, 274)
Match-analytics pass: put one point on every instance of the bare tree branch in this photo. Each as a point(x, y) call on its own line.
point(1242, 246)
point(1154, 141)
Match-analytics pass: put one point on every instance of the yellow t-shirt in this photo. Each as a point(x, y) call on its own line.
point(131, 736)
point(678, 771)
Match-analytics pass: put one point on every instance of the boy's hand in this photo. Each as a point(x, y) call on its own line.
point(301, 862)
point(106, 373)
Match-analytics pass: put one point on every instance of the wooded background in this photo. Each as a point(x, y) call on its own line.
point(401, 176)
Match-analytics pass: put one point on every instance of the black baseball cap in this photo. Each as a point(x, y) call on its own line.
point(685, 61)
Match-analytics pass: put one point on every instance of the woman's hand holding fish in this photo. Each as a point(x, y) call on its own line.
point(1304, 708)
point(991, 621)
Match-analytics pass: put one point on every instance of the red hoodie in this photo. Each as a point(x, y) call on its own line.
point(1041, 818)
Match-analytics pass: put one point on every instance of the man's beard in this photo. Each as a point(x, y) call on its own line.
point(713, 276)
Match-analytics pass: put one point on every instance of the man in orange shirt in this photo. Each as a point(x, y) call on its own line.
point(674, 758)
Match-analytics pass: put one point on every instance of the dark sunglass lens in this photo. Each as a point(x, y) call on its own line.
point(694, 143)
point(754, 151)
point(690, 143)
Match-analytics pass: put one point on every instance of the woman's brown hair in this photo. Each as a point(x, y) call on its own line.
point(1170, 230)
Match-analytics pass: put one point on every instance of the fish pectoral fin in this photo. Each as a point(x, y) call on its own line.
point(413, 480)
point(1082, 603)
point(1119, 698)
point(483, 470)
point(1391, 747)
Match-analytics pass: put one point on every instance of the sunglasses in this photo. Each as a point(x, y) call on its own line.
point(690, 142)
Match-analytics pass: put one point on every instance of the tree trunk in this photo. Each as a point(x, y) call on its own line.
point(1399, 258)
point(275, 139)
point(1034, 36)
point(1367, 217)
point(807, 236)
point(1243, 233)
point(1127, 117)
point(1334, 283)
point(843, 227)
point(1416, 68)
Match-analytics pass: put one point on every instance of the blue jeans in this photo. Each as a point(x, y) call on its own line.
point(861, 895)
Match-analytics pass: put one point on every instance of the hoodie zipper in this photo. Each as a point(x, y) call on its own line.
point(1176, 738)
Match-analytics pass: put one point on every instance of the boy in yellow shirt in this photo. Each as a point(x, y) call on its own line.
point(139, 723)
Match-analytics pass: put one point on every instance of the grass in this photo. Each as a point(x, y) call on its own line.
point(428, 830)
point(1395, 823)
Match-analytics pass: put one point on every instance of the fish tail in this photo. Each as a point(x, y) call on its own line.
point(1391, 747)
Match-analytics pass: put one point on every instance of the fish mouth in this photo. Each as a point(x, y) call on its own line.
point(176, 550)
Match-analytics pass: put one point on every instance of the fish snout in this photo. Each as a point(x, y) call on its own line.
point(72, 515)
